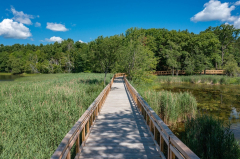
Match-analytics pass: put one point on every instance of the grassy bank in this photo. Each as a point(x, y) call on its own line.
point(38, 111)
point(207, 79)
point(171, 107)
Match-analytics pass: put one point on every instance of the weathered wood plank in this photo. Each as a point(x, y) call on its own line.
point(119, 130)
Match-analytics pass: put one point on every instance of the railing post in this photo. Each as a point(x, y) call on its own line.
point(96, 111)
point(161, 143)
point(83, 135)
point(88, 127)
point(92, 119)
point(77, 145)
point(69, 155)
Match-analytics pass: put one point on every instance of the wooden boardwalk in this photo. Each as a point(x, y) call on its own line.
point(120, 124)
point(119, 130)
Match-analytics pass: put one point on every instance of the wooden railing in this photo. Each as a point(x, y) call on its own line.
point(80, 131)
point(160, 131)
point(180, 72)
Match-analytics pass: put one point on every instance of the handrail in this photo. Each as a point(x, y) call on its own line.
point(80, 131)
point(181, 72)
point(159, 130)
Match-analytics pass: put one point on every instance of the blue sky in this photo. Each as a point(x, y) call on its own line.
point(46, 21)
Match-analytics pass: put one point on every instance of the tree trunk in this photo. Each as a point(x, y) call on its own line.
point(222, 54)
point(105, 77)
point(173, 71)
point(216, 65)
point(177, 73)
point(204, 71)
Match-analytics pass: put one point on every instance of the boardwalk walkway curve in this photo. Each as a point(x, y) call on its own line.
point(120, 124)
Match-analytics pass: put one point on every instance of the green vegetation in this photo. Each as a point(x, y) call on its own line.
point(207, 79)
point(135, 52)
point(38, 111)
point(210, 138)
point(171, 107)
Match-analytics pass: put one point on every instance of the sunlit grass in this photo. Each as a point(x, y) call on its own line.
point(38, 111)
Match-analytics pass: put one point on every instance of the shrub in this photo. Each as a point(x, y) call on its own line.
point(214, 81)
point(210, 139)
point(223, 80)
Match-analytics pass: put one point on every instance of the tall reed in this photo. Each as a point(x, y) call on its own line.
point(37, 112)
point(171, 107)
point(209, 138)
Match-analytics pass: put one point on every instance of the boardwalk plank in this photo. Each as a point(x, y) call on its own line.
point(119, 130)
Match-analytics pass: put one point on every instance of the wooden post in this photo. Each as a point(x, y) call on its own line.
point(92, 120)
point(150, 125)
point(161, 143)
point(77, 145)
point(87, 127)
point(83, 135)
point(172, 155)
point(69, 155)
point(155, 133)
point(96, 111)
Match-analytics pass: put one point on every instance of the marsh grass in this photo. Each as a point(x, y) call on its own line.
point(36, 112)
point(206, 79)
point(171, 107)
point(210, 138)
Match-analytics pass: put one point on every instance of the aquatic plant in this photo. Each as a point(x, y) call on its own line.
point(209, 138)
point(37, 112)
point(171, 107)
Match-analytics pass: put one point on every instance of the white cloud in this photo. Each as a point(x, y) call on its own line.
point(54, 39)
point(237, 23)
point(237, 3)
point(21, 17)
point(37, 24)
point(56, 27)
point(81, 41)
point(215, 10)
point(31, 39)
point(11, 29)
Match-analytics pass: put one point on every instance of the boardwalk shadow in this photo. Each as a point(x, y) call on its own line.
point(120, 132)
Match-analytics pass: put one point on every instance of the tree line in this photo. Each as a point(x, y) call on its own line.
point(135, 52)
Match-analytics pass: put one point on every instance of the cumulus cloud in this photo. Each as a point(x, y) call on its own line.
point(11, 29)
point(56, 27)
point(81, 41)
point(215, 10)
point(21, 17)
point(54, 39)
point(37, 24)
point(237, 23)
point(237, 3)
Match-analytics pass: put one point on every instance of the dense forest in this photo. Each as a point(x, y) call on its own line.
point(132, 52)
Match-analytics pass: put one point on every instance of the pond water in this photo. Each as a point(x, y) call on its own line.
point(8, 77)
point(220, 101)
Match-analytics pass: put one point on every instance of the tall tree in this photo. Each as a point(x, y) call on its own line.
point(227, 34)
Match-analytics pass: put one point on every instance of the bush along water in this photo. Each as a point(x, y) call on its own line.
point(209, 138)
point(206, 79)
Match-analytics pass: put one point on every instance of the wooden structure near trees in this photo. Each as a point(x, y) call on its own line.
point(180, 72)
point(120, 124)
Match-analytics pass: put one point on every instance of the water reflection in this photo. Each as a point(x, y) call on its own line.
point(8, 77)
point(234, 114)
point(220, 101)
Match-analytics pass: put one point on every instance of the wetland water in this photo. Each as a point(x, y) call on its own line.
point(8, 77)
point(221, 101)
